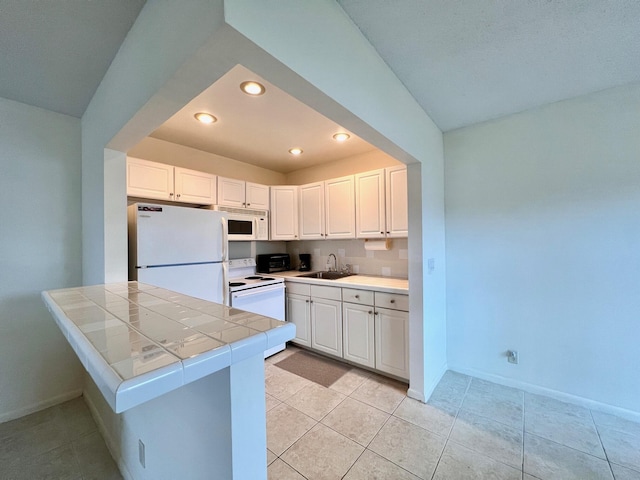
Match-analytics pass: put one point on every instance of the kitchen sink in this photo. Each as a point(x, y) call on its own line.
point(326, 275)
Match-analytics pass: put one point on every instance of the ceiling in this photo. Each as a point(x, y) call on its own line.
point(464, 61)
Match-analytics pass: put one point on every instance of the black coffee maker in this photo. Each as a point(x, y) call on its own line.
point(305, 262)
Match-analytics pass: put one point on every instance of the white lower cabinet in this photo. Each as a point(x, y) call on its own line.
point(299, 313)
point(326, 325)
point(358, 337)
point(362, 326)
point(392, 341)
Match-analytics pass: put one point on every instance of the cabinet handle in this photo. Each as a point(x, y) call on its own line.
point(310, 301)
point(387, 233)
point(381, 233)
point(357, 296)
point(178, 195)
point(248, 204)
point(392, 301)
point(370, 312)
point(307, 301)
point(375, 313)
point(171, 194)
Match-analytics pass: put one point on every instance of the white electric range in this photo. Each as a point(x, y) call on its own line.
point(256, 293)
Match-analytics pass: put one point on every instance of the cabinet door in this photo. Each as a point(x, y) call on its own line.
point(392, 342)
point(326, 326)
point(298, 313)
point(397, 202)
point(312, 211)
point(194, 187)
point(147, 179)
point(284, 213)
point(340, 208)
point(358, 327)
point(257, 196)
point(370, 205)
point(230, 192)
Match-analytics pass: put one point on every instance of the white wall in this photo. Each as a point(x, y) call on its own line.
point(543, 247)
point(40, 249)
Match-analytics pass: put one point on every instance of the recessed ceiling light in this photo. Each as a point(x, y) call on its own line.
point(205, 117)
point(252, 88)
point(295, 151)
point(341, 137)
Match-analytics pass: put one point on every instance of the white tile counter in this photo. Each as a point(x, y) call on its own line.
point(365, 282)
point(139, 342)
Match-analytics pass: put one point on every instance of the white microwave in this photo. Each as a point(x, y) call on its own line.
point(245, 224)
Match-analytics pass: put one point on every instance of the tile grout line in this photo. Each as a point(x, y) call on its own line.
point(604, 450)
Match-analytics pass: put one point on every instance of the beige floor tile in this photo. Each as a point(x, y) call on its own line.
point(434, 418)
point(616, 423)
point(19, 425)
point(623, 473)
point(374, 467)
point(285, 425)
point(315, 400)
point(278, 357)
point(57, 464)
point(323, 454)
point(271, 401)
point(282, 384)
point(33, 441)
point(549, 461)
point(622, 448)
point(409, 446)
point(279, 470)
point(351, 380)
point(379, 393)
point(568, 429)
point(502, 404)
point(488, 437)
point(540, 404)
point(356, 420)
point(94, 458)
point(77, 418)
point(270, 457)
point(460, 463)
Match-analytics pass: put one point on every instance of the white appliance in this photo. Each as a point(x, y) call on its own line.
point(245, 224)
point(179, 248)
point(260, 293)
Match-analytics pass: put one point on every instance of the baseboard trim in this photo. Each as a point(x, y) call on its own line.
point(36, 407)
point(557, 394)
point(108, 439)
point(424, 396)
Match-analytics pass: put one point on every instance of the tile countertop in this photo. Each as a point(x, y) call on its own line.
point(138, 341)
point(362, 282)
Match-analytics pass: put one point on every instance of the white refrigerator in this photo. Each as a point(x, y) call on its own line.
point(179, 248)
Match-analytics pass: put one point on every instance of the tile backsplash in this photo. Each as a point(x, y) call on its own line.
point(392, 262)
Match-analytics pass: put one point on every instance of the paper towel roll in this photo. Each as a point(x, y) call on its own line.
point(377, 244)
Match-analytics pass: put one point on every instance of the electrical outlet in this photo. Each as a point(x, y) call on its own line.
point(141, 453)
point(512, 356)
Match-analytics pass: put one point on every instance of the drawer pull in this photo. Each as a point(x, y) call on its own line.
point(392, 301)
point(370, 312)
point(357, 296)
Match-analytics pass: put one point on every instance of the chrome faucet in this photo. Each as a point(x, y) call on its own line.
point(335, 263)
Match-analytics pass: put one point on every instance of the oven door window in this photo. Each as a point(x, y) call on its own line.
point(240, 227)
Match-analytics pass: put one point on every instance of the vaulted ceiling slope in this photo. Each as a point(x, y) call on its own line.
point(54, 53)
point(466, 61)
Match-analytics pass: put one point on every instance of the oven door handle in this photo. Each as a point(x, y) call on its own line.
point(256, 291)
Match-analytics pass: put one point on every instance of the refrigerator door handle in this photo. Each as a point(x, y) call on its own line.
point(225, 240)
point(225, 284)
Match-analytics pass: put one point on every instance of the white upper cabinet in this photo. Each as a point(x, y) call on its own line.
point(192, 186)
point(159, 181)
point(257, 196)
point(241, 194)
point(381, 203)
point(312, 219)
point(397, 202)
point(284, 212)
point(370, 204)
point(340, 207)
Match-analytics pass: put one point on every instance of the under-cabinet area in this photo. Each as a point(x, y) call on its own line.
point(361, 326)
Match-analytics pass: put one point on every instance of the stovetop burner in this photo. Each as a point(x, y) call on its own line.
point(236, 284)
point(254, 277)
point(267, 278)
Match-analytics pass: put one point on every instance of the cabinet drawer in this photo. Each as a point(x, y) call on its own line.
point(362, 297)
point(392, 300)
point(298, 288)
point(332, 293)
